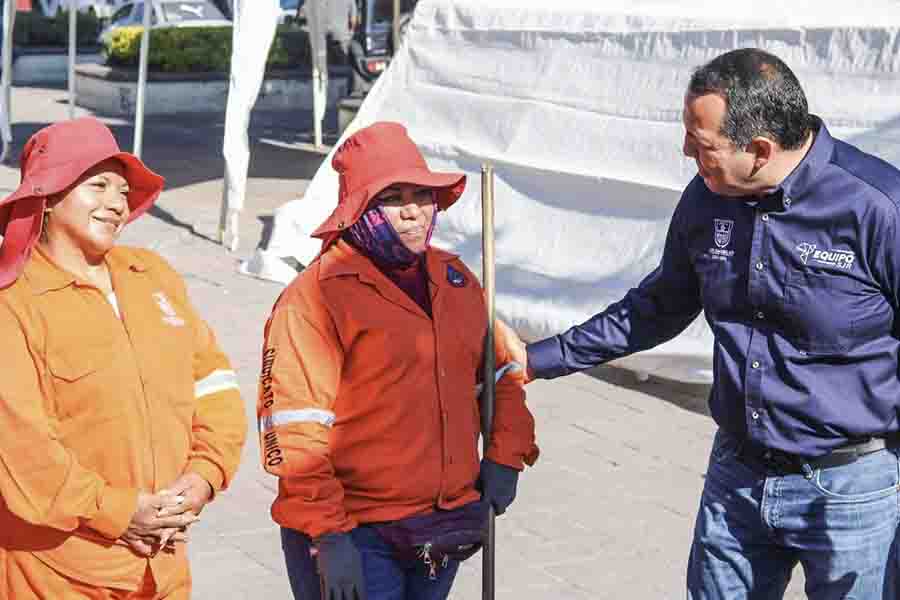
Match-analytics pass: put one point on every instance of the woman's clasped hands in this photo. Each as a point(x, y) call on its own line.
point(160, 521)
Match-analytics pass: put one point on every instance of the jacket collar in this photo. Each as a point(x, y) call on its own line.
point(800, 181)
point(44, 275)
point(342, 259)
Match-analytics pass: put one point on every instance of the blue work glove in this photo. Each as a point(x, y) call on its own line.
point(340, 568)
point(497, 484)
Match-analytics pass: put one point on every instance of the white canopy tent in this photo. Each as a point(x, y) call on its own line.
point(255, 22)
point(577, 103)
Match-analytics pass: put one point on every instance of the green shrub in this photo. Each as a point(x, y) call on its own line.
point(34, 29)
point(186, 49)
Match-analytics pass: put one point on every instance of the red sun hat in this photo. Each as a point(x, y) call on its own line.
point(373, 159)
point(53, 159)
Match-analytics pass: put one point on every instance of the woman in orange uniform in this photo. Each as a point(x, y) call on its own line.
point(121, 416)
point(368, 405)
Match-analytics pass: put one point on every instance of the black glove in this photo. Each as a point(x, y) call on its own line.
point(340, 567)
point(497, 484)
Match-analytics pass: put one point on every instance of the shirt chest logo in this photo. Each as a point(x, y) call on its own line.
point(170, 317)
point(841, 259)
point(723, 228)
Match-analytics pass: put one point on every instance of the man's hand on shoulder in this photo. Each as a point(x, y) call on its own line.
point(507, 338)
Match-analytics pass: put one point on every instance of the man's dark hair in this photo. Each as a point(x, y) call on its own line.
point(762, 97)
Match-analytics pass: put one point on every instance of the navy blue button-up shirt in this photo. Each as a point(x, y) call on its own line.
point(801, 289)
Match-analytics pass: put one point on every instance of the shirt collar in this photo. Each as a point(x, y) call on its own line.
point(44, 275)
point(798, 183)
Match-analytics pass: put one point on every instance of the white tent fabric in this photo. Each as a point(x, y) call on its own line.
point(255, 22)
point(577, 103)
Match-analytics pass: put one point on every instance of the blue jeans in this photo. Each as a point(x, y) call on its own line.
point(753, 527)
point(386, 577)
point(301, 567)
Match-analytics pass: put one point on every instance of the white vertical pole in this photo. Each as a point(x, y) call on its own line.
point(316, 26)
point(142, 81)
point(73, 35)
point(9, 17)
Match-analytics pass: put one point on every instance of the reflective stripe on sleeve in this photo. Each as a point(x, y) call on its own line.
point(305, 415)
point(216, 382)
point(510, 367)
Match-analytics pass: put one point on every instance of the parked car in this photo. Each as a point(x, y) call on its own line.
point(166, 13)
point(226, 7)
point(103, 9)
point(289, 10)
point(372, 45)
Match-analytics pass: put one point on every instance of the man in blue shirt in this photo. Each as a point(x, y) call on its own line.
point(788, 240)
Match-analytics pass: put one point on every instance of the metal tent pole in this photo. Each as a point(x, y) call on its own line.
point(395, 31)
point(315, 21)
point(73, 37)
point(142, 81)
point(9, 17)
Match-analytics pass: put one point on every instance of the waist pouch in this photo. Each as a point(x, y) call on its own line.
point(437, 537)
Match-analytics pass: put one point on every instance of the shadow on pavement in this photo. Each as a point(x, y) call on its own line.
point(170, 219)
point(692, 397)
point(268, 225)
point(280, 145)
point(187, 150)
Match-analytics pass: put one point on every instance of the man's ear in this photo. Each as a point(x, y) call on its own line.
point(763, 150)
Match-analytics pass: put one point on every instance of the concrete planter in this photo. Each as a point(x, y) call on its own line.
point(35, 66)
point(113, 91)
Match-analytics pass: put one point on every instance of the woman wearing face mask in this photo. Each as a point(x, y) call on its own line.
point(121, 416)
point(368, 404)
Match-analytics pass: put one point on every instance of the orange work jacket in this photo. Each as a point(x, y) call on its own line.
point(367, 406)
point(95, 408)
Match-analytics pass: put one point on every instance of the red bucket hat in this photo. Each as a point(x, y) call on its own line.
point(52, 160)
point(372, 159)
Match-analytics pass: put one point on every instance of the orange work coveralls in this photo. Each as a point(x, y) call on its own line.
point(95, 408)
point(367, 406)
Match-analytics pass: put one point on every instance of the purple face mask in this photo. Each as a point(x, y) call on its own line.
point(374, 235)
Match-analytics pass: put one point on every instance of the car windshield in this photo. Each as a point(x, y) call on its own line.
point(189, 10)
point(289, 4)
point(122, 13)
point(383, 10)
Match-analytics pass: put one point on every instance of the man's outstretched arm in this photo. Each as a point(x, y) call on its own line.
point(661, 307)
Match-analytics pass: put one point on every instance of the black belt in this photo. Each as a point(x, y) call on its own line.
point(784, 463)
